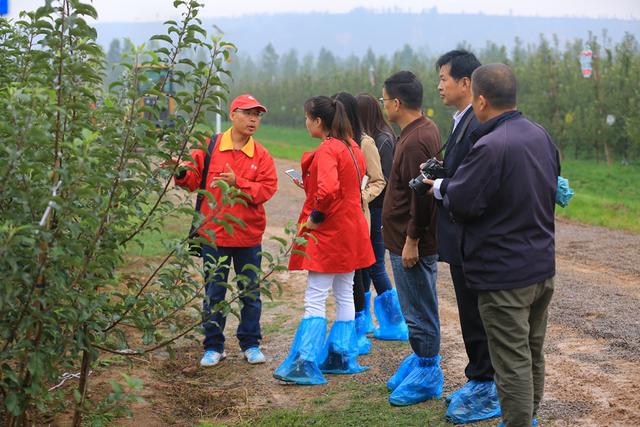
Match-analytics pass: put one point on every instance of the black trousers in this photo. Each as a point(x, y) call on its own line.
point(473, 334)
point(358, 290)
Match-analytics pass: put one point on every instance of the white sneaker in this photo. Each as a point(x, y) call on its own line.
point(212, 358)
point(254, 355)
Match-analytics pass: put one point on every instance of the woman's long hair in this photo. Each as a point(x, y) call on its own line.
point(371, 116)
point(332, 114)
point(351, 107)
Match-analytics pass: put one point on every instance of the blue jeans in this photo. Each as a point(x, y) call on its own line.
point(248, 332)
point(377, 273)
point(418, 297)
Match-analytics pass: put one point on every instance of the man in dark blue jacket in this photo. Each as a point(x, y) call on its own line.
point(477, 399)
point(504, 195)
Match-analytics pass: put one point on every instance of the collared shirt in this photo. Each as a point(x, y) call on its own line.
point(457, 117)
point(226, 144)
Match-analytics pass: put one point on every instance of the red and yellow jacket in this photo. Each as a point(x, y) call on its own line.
point(255, 175)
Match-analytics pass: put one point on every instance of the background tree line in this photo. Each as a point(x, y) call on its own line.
point(552, 90)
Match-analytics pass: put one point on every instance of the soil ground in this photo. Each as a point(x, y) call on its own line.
point(592, 347)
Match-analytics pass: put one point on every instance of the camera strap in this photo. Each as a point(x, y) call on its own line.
point(464, 125)
point(205, 170)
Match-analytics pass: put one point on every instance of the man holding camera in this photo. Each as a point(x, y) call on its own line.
point(478, 398)
point(409, 231)
point(504, 195)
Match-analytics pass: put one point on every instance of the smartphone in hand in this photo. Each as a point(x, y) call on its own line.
point(294, 174)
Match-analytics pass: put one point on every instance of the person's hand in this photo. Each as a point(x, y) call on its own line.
point(298, 183)
point(410, 253)
point(310, 225)
point(229, 177)
point(430, 183)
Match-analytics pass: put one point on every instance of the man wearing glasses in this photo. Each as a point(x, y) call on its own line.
point(241, 162)
point(409, 230)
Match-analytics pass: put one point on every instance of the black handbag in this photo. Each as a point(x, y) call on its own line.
point(195, 248)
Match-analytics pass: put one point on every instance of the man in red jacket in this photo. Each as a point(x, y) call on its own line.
point(240, 161)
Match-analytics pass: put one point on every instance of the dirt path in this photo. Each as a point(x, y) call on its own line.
point(593, 341)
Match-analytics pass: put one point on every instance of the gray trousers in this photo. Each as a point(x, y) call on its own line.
point(516, 323)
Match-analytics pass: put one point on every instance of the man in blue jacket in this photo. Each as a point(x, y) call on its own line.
point(503, 193)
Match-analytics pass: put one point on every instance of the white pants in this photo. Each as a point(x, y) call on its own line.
point(318, 285)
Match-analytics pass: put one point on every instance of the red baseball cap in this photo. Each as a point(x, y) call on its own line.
point(246, 102)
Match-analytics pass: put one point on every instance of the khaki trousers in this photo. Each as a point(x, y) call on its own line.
point(516, 323)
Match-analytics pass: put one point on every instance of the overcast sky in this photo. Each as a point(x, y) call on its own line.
point(156, 10)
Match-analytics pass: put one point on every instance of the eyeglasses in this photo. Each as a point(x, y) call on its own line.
point(254, 113)
point(381, 100)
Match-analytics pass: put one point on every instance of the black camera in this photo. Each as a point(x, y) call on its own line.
point(432, 169)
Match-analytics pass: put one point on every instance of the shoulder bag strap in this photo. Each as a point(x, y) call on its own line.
point(355, 162)
point(205, 170)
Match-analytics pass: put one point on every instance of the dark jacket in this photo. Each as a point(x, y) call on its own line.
point(386, 145)
point(504, 194)
point(458, 145)
point(403, 212)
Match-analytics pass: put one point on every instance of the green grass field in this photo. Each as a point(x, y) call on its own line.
point(608, 196)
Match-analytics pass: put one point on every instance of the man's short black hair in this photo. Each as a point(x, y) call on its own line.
point(497, 83)
point(405, 86)
point(462, 62)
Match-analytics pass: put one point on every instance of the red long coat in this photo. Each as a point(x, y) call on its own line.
point(331, 186)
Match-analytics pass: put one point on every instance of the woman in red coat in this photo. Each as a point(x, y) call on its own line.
point(337, 244)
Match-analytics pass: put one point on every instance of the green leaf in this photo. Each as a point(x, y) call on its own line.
point(162, 37)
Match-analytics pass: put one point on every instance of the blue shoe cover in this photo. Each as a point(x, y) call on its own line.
point(424, 382)
point(301, 366)
point(341, 350)
point(534, 423)
point(407, 365)
point(369, 326)
point(364, 344)
point(474, 401)
point(392, 325)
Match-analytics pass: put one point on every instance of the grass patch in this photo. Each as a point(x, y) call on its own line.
point(286, 143)
point(355, 404)
point(153, 242)
point(276, 324)
point(607, 196)
point(272, 304)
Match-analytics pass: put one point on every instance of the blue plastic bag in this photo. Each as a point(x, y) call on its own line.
point(564, 193)
point(424, 382)
point(301, 366)
point(364, 344)
point(340, 352)
point(392, 325)
point(474, 401)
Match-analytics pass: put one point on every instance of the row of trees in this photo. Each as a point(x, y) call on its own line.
point(552, 90)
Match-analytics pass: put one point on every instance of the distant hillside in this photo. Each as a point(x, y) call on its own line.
point(360, 29)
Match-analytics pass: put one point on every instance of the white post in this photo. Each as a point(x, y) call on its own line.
point(218, 116)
